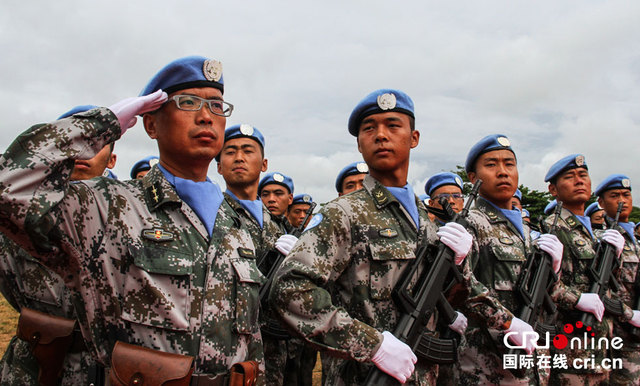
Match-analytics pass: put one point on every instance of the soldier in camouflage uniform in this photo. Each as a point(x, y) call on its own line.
point(276, 191)
point(359, 244)
point(144, 257)
point(350, 178)
point(503, 245)
point(569, 183)
point(25, 282)
point(615, 188)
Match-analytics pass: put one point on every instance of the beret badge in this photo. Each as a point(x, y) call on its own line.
point(278, 177)
point(386, 101)
point(362, 167)
point(580, 160)
point(212, 70)
point(504, 141)
point(625, 183)
point(246, 129)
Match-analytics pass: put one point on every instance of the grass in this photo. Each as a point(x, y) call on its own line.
point(8, 323)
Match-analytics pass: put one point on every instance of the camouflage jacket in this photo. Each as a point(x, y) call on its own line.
point(359, 245)
point(143, 265)
point(25, 282)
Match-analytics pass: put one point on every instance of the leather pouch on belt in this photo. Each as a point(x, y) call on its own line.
point(50, 338)
point(243, 374)
point(136, 365)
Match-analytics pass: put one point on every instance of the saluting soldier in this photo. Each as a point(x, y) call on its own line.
point(27, 284)
point(570, 183)
point(159, 263)
point(350, 177)
point(612, 190)
point(359, 244)
point(504, 243)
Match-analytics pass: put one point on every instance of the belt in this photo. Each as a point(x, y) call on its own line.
point(209, 380)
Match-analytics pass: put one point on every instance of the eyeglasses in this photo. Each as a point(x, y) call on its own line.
point(447, 196)
point(194, 103)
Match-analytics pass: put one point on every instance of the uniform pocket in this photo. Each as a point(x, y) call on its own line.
point(248, 282)
point(156, 288)
point(629, 268)
point(41, 284)
point(509, 261)
point(389, 258)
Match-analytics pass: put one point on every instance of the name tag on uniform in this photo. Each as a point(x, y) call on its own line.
point(506, 241)
point(157, 234)
point(388, 233)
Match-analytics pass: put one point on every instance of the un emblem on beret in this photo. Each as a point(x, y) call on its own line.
point(278, 177)
point(580, 160)
point(387, 101)
point(306, 198)
point(458, 181)
point(625, 183)
point(362, 167)
point(246, 129)
point(153, 161)
point(504, 141)
point(212, 70)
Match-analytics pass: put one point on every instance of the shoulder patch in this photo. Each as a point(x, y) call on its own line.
point(571, 222)
point(315, 220)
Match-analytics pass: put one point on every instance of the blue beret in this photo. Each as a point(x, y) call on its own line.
point(614, 181)
point(424, 198)
point(350, 170)
point(569, 162)
point(188, 72)
point(302, 199)
point(550, 207)
point(380, 101)
point(76, 110)
point(276, 178)
point(525, 213)
point(246, 131)
point(441, 179)
point(109, 174)
point(144, 164)
point(591, 209)
point(518, 194)
point(489, 143)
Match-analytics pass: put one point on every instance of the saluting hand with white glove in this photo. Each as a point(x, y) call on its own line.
point(127, 109)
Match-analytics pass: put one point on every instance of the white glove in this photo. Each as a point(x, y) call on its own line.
point(395, 358)
point(589, 302)
point(285, 243)
point(518, 328)
point(550, 244)
point(127, 109)
point(635, 321)
point(454, 236)
point(614, 238)
point(459, 325)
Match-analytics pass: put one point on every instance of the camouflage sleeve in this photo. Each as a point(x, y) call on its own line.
point(483, 303)
point(299, 296)
point(35, 171)
point(8, 273)
point(563, 293)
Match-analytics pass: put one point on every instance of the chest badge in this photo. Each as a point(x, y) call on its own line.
point(157, 234)
point(388, 233)
point(580, 243)
point(506, 241)
point(379, 196)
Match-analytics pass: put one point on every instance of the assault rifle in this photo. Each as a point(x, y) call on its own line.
point(601, 272)
point(273, 327)
point(635, 331)
point(417, 299)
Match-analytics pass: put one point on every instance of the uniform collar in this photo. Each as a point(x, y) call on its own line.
point(495, 216)
point(158, 190)
point(381, 195)
point(572, 221)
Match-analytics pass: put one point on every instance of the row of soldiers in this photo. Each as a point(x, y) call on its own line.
point(163, 274)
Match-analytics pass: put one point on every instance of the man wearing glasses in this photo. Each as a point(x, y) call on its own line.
point(161, 262)
point(448, 186)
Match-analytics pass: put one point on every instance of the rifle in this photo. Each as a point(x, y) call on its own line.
point(534, 283)
point(635, 331)
point(273, 327)
point(601, 272)
point(417, 300)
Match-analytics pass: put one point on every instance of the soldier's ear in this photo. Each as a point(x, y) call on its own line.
point(472, 177)
point(112, 161)
point(219, 167)
point(553, 190)
point(415, 138)
point(149, 121)
point(265, 164)
point(358, 142)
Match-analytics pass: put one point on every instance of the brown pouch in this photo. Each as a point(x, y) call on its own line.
point(50, 338)
point(243, 374)
point(136, 365)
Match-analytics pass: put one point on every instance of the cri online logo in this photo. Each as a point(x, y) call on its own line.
point(561, 341)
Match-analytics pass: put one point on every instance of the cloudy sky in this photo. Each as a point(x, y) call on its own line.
point(555, 77)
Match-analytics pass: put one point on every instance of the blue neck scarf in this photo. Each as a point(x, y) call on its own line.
point(253, 207)
point(407, 198)
point(515, 218)
point(629, 227)
point(586, 221)
point(204, 197)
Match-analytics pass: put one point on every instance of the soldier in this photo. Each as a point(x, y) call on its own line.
point(569, 183)
point(298, 209)
point(350, 178)
point(26, 283)
point(613, 189)
point(504, 243)
point(447, 185)
point(516, 200)
point(276, 191)
point(359, 244)
point(550, 207)
point(150, 267)
point(596, 215)
point(142, 167)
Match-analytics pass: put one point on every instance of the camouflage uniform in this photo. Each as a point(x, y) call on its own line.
point(141, 263)
point(360, 245)
point(628, 293)
point(574, 280)
point(25, 282)
point(498, 256)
